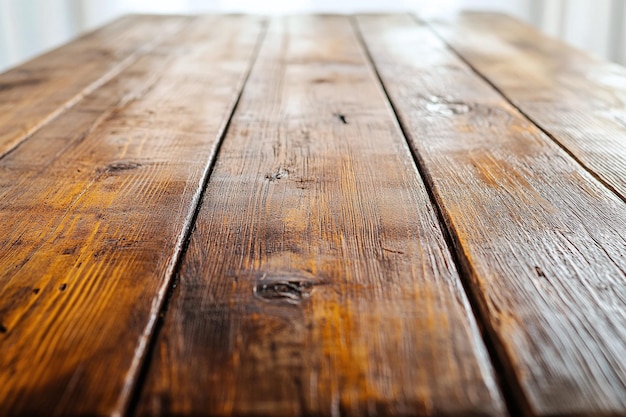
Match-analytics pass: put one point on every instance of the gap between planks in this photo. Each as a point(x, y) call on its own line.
point(393, 119)
point(103, 79)
point(128, 379)
point(146, 359)
point(519, 108)
point(513, 393)
point(507, 383)
point(460, 246)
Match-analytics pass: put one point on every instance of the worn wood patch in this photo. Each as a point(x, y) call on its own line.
point(36, 92)
point(317, 280)
point(543, 242)
point(93, 212)
point(579, 100)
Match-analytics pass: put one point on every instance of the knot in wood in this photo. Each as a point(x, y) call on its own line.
point(283, 289)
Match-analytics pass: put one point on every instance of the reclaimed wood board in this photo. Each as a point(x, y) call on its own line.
point(315, 215)
point(317, 280)
point(38, 91)
point(578, 99)
point(93, 215)
point(541, 240)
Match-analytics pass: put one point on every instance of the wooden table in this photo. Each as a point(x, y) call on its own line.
point(314, 215)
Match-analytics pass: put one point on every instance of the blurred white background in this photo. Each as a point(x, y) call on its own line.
point(30, 27)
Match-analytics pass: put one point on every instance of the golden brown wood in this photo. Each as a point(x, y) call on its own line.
point(541, 240)
point(579, 100)
point(317, 280)
point(36, 92)
point(93, 213)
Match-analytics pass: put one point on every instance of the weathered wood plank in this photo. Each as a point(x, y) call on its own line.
point(579, 100)
point(36, 92)
point(317, 280)
point(541, 240)
point(93, 214)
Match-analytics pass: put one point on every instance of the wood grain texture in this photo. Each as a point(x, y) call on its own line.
point(34, 93)
point(93, 212)
point(317, 280)
point(579, 100)
point(542, 241)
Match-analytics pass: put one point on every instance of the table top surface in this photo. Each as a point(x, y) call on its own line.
point(313, 215)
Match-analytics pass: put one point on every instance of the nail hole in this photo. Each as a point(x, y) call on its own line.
point(341, 117)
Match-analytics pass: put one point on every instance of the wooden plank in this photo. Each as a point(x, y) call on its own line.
point(578, 99)
point(93, 214)
point(36, 92)
point(317, 280)
point(542, 242)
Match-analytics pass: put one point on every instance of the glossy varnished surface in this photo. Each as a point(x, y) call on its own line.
point(372, 223)
point(317, 280)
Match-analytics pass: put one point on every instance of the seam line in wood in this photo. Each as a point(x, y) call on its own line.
point(152, 337)
point(89, 89)
point(516, 403)
point(520, 110)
